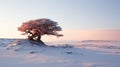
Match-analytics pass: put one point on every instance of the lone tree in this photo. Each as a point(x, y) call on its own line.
point(34, 29)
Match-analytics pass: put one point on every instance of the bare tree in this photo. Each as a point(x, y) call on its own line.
point(34, 29)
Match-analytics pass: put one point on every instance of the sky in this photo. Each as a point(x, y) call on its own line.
point(80, 19)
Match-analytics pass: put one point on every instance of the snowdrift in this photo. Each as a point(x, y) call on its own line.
point(87, 53)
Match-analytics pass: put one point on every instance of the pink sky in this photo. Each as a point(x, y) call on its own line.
point(98, 34)
point(87, 35)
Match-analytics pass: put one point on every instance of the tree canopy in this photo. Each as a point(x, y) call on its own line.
point(36, 28)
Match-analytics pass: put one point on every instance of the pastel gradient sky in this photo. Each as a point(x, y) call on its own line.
point(87, 19)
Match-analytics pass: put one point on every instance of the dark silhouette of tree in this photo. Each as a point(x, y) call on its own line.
point(34, 29)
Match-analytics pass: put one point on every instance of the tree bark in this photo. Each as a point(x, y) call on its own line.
point(39, 39)
point(30, 38)
point(36, 37)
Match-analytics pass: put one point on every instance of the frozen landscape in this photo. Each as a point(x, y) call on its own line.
point(86, 53)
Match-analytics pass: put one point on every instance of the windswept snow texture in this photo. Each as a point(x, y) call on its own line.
point(87, 53)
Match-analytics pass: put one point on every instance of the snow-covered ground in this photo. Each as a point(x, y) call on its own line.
point(86, 53)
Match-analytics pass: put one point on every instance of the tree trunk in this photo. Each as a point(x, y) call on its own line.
point(39, 39)
point(30, 38)
point(36, 37)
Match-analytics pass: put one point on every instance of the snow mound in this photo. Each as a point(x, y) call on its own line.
point(32, 47)
point(22, 44)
